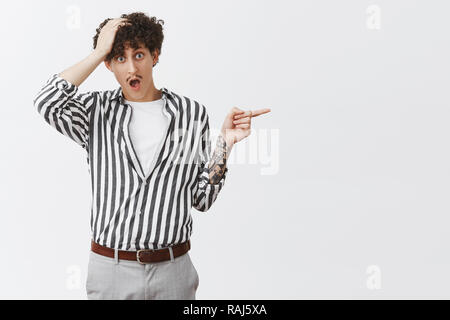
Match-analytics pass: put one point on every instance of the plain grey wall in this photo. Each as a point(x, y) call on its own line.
point(345, 197)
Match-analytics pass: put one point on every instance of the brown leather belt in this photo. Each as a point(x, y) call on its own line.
point(146, 255)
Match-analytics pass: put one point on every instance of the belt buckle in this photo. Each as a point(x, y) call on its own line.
point(139, 251)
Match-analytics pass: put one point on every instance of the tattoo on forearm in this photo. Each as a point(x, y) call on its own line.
point(218, 161)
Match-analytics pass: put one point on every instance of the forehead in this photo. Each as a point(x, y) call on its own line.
point(127, 47)
point(128, 50)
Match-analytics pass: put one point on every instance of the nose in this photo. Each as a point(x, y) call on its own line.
point(131, 67)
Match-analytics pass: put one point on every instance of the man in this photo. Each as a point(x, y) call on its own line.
point(148, 158)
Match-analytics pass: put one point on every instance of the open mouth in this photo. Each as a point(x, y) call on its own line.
point(135, 84)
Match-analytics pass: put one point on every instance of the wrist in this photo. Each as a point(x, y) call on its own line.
point(228, 140)
point(99, 55)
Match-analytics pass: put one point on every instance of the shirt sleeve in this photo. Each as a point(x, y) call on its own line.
point(206, 193)
point(65, 110)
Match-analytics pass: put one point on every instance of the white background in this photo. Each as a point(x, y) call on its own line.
point(359, 206)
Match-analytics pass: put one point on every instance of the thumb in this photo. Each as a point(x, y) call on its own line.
point(234, 111)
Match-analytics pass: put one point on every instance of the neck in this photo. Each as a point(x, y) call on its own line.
point(151, 95)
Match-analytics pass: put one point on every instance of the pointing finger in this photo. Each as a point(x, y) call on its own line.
point(260, 112)
point(252, 113)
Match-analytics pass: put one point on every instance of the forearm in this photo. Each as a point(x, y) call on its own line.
point(219, 158)
point(77, 73)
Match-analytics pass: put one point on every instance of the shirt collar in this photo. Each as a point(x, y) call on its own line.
point(118, 94)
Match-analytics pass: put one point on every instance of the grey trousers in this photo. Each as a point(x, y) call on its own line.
point(114, 279)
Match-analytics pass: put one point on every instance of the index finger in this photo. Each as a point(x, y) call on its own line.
point(260, 112)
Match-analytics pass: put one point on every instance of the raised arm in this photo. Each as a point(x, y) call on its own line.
point(218, 162)
point(58, 100)
point(212, 169)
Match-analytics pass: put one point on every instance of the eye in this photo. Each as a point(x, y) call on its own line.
point(139, 54)
point(118, 59)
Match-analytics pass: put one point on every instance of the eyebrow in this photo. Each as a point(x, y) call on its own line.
point(123, 53)
point(139, 48)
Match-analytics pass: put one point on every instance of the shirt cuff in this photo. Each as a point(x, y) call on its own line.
point(69, 89)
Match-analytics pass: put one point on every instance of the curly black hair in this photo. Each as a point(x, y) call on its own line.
point(144, 30)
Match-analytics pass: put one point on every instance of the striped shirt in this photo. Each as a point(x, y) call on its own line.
point(131, 210)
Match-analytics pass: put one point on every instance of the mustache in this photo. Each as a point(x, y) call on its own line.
point(136, 77)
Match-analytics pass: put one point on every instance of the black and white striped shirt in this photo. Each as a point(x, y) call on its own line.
point(129, 209)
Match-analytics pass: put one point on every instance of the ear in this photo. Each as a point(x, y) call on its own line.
point(108, 65)
point(155, 54)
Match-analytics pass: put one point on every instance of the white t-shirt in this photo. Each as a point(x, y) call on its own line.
point(148, 128)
